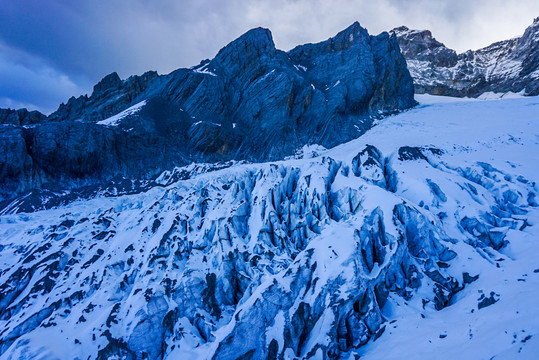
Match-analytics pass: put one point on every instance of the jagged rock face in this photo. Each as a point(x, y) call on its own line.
point(287, 260)
point(505, 66)
point(252, 101)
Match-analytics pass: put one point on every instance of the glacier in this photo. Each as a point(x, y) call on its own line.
point(416, 240)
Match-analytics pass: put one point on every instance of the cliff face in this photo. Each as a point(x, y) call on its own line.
point(252, 102)
point(505, 66)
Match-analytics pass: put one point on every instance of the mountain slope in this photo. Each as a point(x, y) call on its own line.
point(251, 102)
point(432, 211)
point(505, 66)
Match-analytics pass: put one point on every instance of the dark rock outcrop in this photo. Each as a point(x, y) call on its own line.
point(252, 102)
point(505, 66)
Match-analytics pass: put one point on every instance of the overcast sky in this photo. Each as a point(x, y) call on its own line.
point(53, 49)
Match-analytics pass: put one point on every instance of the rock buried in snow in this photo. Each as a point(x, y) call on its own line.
point(484, 301)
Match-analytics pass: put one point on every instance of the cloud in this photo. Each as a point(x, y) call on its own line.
point(26, 81)
point(75, 43)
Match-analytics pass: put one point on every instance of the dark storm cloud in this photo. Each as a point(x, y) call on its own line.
point(52, 49)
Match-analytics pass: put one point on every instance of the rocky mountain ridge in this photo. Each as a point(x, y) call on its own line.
point(505, 66)
point(251, 102)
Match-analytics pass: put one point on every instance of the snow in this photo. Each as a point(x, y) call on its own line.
point(504, 133)
point(336, 83)
point(464, 331)
point(267, 75)
point(489, 95)
point(426, 99)
point(204, 70)
point(116, 119)
point(484, 151)
point(455, 123)
point(206, 122)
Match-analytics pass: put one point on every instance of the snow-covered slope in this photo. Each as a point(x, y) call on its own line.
point(509, 66)
point(115, 120)
point(417, 240)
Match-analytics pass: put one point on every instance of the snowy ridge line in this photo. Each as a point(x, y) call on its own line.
point(115, 120)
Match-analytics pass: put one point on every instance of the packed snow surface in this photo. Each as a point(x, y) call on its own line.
point(417, 240)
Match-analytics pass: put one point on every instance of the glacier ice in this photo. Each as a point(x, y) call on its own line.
point(309, 257)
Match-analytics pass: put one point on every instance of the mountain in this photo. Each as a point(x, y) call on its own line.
point(416, 240)
point(251, 102)
point(505, 66)
point(20, 117)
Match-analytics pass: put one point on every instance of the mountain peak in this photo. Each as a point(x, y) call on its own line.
point(421, 45)
point(258, 39)
point(350, 34)
point(423, 35)
point(400, 29)
point(355, 26)
point(244, 55)
point(258, 34)
point(534, 26)
point(111, 81)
